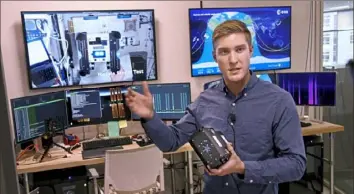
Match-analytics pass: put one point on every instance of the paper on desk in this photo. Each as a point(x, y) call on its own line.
point(113, 129)
point(123, 123)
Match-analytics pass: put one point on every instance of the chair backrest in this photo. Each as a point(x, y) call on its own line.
point(133, 170)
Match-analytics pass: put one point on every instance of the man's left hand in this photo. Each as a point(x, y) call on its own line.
point(233, 165)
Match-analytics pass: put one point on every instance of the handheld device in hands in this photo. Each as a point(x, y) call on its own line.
point(211, 147)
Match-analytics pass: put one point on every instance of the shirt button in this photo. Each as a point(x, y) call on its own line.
point(245, 94)
point(270, 182)
point(251, 181)
point(233, 104)
point(226, 183)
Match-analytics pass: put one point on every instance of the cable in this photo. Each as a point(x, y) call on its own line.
point(308, 36)
point(275, 76)
point(309, 47)
point(233, 178)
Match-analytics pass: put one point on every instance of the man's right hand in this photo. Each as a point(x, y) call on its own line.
point(140, 104)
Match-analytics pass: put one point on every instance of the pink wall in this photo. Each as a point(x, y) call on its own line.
point(172, 36)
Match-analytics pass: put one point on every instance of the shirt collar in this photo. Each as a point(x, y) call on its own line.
point(250, 84)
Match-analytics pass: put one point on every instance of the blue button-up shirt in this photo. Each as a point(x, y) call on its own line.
point(266, 130)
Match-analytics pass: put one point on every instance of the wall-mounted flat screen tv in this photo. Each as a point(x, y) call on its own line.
point(75, 48)
point(270, 29)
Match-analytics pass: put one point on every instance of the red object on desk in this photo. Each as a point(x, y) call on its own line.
point(71, 139)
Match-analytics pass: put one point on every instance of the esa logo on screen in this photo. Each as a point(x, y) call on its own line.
point(281, 12)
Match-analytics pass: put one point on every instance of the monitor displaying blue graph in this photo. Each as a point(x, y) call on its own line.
point(271, 37)
point(169, 100)
point(310, 88)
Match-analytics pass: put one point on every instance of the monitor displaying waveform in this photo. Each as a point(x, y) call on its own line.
point(270, 29)
point(169, 100)
point(310, 88)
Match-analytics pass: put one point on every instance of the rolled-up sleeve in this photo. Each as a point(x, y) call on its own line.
point(290, 161)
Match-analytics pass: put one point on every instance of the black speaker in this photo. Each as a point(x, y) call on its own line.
point(62, 181)
point(74, 187)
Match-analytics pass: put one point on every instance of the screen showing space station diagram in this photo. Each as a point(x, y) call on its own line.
point(89, 47)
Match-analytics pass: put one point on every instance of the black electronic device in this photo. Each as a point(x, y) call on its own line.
point(211, 147)
point(53, 127)
point(143, 140)
point(98, 153)
point(110, 142)
point(304, 124)
point(61, 181)
point(98, 148)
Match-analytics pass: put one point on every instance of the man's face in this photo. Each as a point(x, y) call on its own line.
point(233, 54)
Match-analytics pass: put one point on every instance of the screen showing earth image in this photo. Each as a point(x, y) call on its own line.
point(270, 28)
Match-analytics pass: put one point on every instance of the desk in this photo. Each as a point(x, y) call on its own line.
point(76, 159)
point(58, 161)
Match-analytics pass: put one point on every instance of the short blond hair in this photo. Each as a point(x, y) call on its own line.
point(230, 27)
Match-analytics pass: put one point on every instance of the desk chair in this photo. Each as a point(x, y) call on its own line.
point(132, 171)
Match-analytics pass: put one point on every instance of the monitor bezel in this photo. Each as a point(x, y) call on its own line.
point(172, 83)
point(315, 72)
point(262, 70)
point(36, 95)
point(27, 63)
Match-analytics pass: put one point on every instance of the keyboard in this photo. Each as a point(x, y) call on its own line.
point(104, 143)
point(98, 153)
point(98, 148)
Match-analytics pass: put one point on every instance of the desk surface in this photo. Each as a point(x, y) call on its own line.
point(321, 128)
point(28, 165)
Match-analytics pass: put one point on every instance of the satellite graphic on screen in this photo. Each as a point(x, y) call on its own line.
point(270, 29)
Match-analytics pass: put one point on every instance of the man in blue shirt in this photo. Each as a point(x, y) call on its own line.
point(258, 118)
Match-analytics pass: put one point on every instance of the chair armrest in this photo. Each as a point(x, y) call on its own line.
point(93, 173)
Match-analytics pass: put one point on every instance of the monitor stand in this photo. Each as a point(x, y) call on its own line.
point(52, 127)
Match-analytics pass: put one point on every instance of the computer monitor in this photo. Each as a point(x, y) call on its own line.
point(310, 88)
point(31, 113)
point(170, 100)
point(75, 48)
point(270, 30)
point(96, 106)
point(268, 77)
